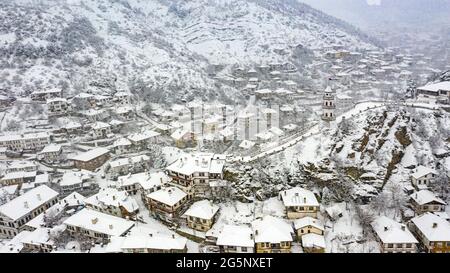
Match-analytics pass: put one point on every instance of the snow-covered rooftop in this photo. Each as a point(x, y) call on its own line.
point(145, 179)
point(433, 227)
point(91, 154)
point(203, 209)
point(391, 232)
point(270, 229)
point(421, 171)
point(114, 198)
point(99, 222)
point(169, 196)
point(312, 240)
point(51, 148)
point(423, 197)
point(435, 87)
point(158, 241)
point(298, 197)
point(232, 235)
point(24, 204)
point(198, 162)
point(308, 221)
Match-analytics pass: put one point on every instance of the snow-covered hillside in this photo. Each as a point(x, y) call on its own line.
point(153, 46)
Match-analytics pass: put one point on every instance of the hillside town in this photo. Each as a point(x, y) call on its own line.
point(103, 173)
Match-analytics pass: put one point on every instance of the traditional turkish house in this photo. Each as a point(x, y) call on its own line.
point(18, 178)
point(43, 95)
point(91, 159)
point(393, 237)
point(422, 177)
point(21, 166)
point(194, 172)
point(201, 215)
point(299, 203)
point(167, 204)
point(97, 226)
point(426, 201)
point(114, 202)
point(50, 153)
point(432, 231)
point(440, 90)
point(31, 141)
point(272, 235)
point(16, 213)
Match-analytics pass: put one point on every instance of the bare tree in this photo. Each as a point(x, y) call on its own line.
point(380, 203)
point(365, 219)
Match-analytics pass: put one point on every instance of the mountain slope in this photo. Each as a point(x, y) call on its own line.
point(159, 48)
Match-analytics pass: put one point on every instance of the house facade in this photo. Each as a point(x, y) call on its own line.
point(16, 213)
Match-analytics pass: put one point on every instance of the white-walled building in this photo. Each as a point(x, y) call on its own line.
point(31, 141)
point(114, 202)
point(96, 225)
point(16, 213)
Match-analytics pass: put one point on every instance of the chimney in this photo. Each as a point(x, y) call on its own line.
point(403, 227)
point(385, 228)
point(304, 199)
point(173, 236)
point(435, 225)
point(110, 226)
point(114, 197)
point(161, 180)
point(256, 232)
point(296, 194)
point(251, 236)
point(25, 204)
point(94, 221)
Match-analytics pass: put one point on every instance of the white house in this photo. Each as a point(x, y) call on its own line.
point(96, 225)
point(122, 146)
point(122, 98)
point(58, 106)
point(50, 153)
point(101, 129)
point(114, 202)
point(21, 166)
point(31, 141)
point(426, 201)
point(123, 166)
point(422, 177)
point(143, 182)
point(73, 181)
point(141, 140)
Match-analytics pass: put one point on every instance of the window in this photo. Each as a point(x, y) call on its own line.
point(390, 245)
point(408, 245)
point(243, 249)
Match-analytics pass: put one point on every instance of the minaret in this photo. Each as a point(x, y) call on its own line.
point(329, 105)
